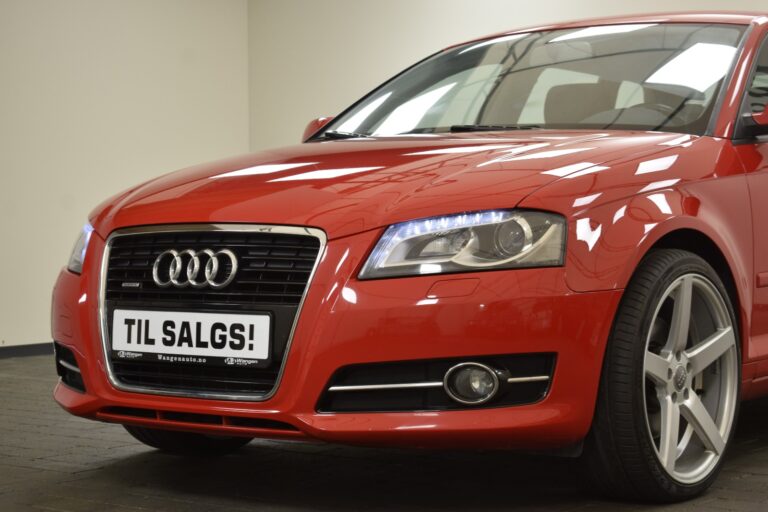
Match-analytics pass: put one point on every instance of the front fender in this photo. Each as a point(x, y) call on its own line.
point(606, 243)
point(617, 213)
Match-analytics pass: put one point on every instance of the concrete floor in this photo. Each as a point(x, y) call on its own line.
point(52, 461)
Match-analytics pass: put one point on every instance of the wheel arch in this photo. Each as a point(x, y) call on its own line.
point(608, 242)
point(727, 267)
point(613, 259)
point(695, 241)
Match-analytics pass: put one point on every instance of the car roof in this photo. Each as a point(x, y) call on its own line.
point(727, 17)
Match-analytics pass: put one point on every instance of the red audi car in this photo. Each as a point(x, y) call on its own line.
point(549, 239)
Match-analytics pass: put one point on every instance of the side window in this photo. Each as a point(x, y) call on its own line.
point(758, 90)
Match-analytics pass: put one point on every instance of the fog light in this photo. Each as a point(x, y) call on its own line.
point(471, 383)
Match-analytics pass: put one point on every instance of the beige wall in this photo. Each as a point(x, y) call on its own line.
point(96, 95)
point(314, 58)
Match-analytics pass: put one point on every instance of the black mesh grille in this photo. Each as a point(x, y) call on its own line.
point(273, 271)
point(209, 379)
point(273, 268)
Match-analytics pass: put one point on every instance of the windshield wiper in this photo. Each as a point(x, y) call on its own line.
point(491, 127)
point(332, 134)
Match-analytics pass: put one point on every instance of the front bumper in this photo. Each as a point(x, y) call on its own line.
point(345, 321)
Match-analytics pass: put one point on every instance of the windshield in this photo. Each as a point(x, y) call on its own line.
point(661, 77)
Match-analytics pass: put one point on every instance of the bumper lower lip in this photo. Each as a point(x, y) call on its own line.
point(506, 312)
point(540, 426)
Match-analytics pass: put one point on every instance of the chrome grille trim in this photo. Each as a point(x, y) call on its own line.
point(176, 228)
point(425, 385)
point(69, 366)
point(378, 387)
point(535, 378)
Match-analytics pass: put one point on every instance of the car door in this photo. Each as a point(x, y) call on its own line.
point(754, 155)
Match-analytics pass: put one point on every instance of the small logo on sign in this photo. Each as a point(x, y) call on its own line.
point(236, 361)
point(181, 359)
point(128, 355)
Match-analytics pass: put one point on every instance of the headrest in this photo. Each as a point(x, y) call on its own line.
point(572, 103)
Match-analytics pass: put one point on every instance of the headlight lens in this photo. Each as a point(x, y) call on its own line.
point(498, 239)
point(78, 252)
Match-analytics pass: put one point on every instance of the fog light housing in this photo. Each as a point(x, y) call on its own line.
point(471, 383)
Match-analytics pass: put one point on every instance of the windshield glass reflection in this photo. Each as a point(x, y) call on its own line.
point(662, 77)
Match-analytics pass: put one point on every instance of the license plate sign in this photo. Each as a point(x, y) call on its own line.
point(216, 335)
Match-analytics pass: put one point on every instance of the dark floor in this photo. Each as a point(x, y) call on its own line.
point(52, 461)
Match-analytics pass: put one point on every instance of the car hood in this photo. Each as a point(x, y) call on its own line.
point(348, 186)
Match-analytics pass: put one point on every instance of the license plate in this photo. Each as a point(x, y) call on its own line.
point(191, 334)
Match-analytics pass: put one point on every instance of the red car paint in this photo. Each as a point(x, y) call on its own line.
point(710, 184)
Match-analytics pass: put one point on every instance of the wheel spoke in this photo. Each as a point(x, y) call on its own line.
point(710, 350)
point(656, 368)
point(698, 417)
point(670, 432)
point(681, 315)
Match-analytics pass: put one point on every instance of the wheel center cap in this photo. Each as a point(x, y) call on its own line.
point(680, 377)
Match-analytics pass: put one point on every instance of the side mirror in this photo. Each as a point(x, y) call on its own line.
point(761, 118)
point(314, 126)
point(757, 124)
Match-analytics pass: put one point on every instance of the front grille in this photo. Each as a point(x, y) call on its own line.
point(274, 267)
point(207, 379)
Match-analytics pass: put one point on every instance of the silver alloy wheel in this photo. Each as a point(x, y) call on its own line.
point(691, 378)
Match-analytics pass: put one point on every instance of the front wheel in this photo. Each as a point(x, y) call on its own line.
point(186, 443)
point(669, 392)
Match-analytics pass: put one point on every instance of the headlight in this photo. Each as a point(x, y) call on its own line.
point(78, 252)
point(489, 240)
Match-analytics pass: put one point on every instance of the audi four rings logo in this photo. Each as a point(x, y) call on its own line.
point(183, 268)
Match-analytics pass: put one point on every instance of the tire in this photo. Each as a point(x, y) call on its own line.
point(636, 449)
point(186, 443)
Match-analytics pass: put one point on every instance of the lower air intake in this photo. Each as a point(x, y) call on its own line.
point(419, 385)
point(67, 368)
